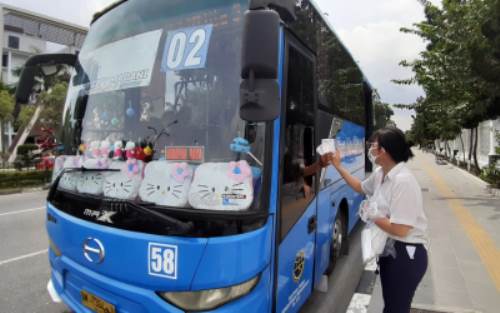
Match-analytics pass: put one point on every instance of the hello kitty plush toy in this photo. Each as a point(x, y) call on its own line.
point(222, 186)
point(90, 183)
point(125, 183)
point(166, 183)
point(69, 180)
point(118, 150)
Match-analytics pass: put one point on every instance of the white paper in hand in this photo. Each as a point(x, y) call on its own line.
point(326, 146)
point(329, 144)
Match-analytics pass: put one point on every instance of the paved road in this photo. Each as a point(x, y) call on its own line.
point(24, 268)
point(342, 282)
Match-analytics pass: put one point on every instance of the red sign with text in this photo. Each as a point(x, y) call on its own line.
point(188, 154)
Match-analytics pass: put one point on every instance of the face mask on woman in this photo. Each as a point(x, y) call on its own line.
point(372, 157)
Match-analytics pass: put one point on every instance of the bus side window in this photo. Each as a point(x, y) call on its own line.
point(297, 191)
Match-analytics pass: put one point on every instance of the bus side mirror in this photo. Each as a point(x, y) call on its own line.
point(259, 90)
point(39, 65)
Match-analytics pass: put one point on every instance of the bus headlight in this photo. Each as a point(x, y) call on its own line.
point(208, 299)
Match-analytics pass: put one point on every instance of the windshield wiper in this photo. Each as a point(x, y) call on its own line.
point(183, 227)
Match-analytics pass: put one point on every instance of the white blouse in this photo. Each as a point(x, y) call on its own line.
point(399, 197)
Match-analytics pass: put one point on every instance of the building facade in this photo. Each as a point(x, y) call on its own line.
point(487, 143)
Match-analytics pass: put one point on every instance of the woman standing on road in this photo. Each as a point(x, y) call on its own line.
point(398, 197)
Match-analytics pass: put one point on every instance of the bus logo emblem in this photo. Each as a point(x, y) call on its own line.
point(93, 250)
point(298, 266)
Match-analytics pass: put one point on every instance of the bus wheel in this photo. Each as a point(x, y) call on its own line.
point(337, 246)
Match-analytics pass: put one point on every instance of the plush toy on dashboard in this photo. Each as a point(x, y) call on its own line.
point(90, 183)
point(222, 186)
point(148, 152)
point(130, 150)
point(96, 157)
point(166, 183)
point(118, 151)
point(105, 150)
point(139, 151)
point(125, 183)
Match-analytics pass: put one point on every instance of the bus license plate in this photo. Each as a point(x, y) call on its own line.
point(96, 304)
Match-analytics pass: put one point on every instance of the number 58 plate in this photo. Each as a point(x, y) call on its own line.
point(162, 260)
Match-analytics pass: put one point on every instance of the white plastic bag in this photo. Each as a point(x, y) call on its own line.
point(368, 210)
point(373, 241)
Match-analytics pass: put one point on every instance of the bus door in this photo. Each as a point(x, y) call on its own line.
point(297, 212)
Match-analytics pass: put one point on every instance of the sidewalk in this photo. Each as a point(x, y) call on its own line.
point(464, 231)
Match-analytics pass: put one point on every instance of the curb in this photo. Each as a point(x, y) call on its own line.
point(441, 309)
point(495, 192)
point(12, 191)
point(361, 298)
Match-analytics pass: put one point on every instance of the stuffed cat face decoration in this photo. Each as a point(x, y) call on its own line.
point(125, 183)
point(166, 183)
point(222, 186)
point(69, 180)
point(90, 183)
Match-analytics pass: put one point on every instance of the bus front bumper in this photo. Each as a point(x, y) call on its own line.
point(126, 298)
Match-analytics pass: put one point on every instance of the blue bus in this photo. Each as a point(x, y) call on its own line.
point(186, 132)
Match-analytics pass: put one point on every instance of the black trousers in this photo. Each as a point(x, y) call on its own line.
point(401, 275)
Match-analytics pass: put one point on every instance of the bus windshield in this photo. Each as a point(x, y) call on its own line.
point(163, 75)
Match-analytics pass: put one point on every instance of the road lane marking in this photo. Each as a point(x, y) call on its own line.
point(21, 211)
point(482, 242)
point(361, 298)
point(359, 303)
point(21, 257)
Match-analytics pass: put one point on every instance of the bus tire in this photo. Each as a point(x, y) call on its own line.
point(338, 245)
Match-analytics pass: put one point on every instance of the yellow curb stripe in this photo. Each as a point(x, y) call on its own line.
point(484, 245)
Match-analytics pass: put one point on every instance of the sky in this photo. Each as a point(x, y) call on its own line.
point(369, 29)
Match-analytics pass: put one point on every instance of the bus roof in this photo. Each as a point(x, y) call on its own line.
point(110, 7)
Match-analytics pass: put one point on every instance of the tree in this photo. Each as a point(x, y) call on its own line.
point(457, 95)
point(486, 56)
point(48, 106)
point(6, 105)
point(382, 112)
point(53, 101)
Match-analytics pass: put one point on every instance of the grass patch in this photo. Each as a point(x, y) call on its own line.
point(21, 179)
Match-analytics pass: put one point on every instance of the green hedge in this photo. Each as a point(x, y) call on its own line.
point(25, 149)
point(24, 179)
